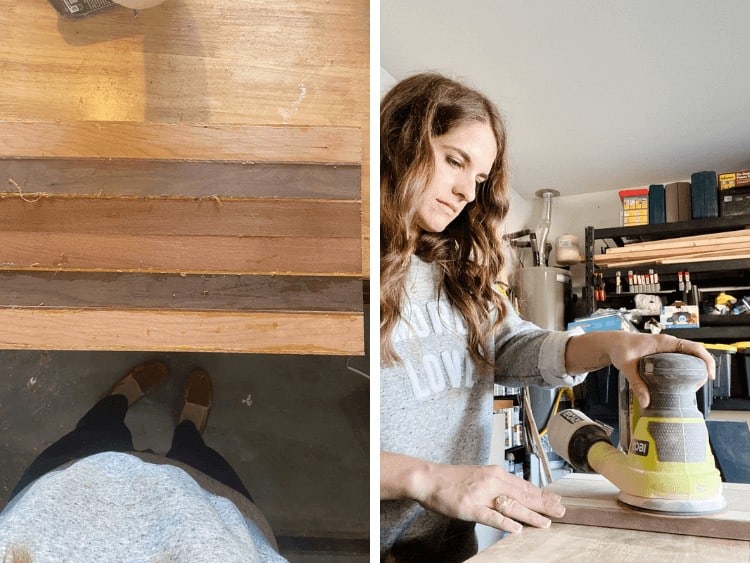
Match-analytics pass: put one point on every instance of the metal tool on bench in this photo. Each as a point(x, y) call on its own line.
point(669, 467)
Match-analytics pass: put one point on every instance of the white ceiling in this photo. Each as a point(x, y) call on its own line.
point(597, 94)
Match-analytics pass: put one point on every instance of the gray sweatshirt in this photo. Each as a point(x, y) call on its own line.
point(115, 507)
point(435, 407)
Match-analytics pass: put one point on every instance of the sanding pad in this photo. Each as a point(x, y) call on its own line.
point(673, 507)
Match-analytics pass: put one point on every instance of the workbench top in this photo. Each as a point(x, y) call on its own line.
point(571, 542)
point(597, 526)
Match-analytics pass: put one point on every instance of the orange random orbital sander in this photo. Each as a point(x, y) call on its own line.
point(669, 467)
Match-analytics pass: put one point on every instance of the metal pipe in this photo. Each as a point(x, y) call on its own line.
point(543, 227)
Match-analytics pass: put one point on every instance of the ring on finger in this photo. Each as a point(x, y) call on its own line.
point(502, 503)
point(680, 343)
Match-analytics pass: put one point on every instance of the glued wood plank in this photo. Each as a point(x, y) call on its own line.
point(180, 254)
point(180, 216)
point(591, 500)
point(176, 331)
point(77, 290)
point(143, 177)
point(180, 141)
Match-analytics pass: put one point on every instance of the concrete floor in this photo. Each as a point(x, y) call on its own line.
point(296, 429)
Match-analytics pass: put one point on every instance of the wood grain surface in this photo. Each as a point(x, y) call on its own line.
point(179, 141)
point(257, 62)
point(143, 177)
point(596, 528)
point(715, 246)
point(211, 217)
point(80, 290)
point(263, 101)
point(251, 63)
point(569, 542)
point(592, 500)
point(180, 254)
point(176, 331)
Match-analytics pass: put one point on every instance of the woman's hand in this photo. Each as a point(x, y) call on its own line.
point(623, 350)
point(626, 352)
point(484, 494)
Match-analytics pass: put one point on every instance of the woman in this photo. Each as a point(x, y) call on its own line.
point(91, 497)
point(446, 335)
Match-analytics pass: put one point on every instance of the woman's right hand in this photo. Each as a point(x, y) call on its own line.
point(485, 494)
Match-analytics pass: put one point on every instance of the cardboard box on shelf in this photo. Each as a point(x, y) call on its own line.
point(679, 315)
point(609, 321)
point(731, 180)
point(634, 206)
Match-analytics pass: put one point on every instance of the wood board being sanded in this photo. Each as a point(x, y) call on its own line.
point(570, 542)
point(591, 500)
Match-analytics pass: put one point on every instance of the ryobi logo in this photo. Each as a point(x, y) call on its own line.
point(571, 417)
point(639, 447)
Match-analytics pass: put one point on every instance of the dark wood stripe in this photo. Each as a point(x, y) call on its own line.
point(193, 179)
point(172, 291)
point(181, 216)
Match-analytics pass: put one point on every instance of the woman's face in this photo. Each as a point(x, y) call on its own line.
point(463, 158)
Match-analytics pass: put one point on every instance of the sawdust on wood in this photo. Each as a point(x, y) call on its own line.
point(38, 195)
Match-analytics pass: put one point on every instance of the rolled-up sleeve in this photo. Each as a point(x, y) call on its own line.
point(528, 355)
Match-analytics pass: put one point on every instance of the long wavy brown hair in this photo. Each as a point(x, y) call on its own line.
point(468, 251)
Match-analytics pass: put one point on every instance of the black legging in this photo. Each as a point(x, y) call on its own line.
point(103, 429)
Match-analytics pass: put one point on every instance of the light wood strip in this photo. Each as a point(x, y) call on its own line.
point(706, 258)
point(180, 216)
point(145, 177)
point(709, 236)
point(179, 141)
point(77, 290)
point(661, 255)
point(668, 244)
point(180, 254)
point(592, 500)
point(569, 542)
point(665, 253)
point(178, 331)
point(255, 61)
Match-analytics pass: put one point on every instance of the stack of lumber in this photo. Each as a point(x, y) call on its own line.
point(699, 248)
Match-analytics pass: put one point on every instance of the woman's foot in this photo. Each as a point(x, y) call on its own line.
point(199, 394)
point(141, 380)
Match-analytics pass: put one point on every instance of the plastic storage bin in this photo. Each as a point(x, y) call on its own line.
point(722, 353)
point(743, 366)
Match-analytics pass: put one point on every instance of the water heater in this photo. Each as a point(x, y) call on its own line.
point(544, 295)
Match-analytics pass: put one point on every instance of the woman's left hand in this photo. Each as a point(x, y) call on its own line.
point(624, 349)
